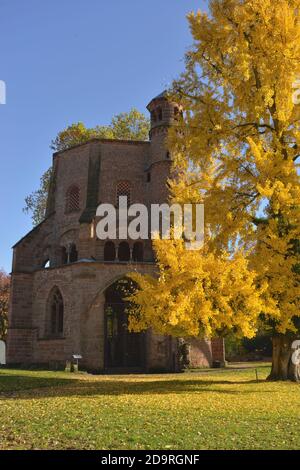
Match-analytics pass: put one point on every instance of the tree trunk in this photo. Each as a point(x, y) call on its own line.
point(285, 365)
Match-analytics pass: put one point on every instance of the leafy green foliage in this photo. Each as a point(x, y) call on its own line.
point(4, 302)
point(130, 126)
point(73, 135)
point(36, 202)
point(124, 126)
point(245, 348)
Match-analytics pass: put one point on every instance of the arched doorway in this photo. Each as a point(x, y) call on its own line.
point(123, 349)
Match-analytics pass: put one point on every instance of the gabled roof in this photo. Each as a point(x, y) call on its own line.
point(35, 229)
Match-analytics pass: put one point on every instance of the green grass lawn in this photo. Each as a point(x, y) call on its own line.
point(213, 409)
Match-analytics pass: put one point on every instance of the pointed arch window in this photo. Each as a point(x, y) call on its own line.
point(55, 325)
point(72, 199)
point(69, 254)
point(124, 189)
point(124, 252)
point(109, 251)
point(73, 253)
point(64, 255)
point(138, 252)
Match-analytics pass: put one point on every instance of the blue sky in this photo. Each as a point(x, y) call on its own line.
point(66, 61)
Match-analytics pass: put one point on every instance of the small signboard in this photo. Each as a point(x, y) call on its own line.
point(75, 366)
point(2, 353)
point(77, 356)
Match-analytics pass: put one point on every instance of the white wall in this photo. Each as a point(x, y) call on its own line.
point(2, 353)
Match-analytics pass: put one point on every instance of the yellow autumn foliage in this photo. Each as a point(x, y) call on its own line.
point(236, 150)
point(196, 294)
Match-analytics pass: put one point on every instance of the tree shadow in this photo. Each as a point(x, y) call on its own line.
point(14, 383)
point(35, 387)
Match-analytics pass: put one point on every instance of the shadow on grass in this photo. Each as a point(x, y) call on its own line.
point(28, 387)
point(13, 383)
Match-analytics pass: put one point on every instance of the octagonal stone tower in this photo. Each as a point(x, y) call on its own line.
point(163, 114)
point(65, 296)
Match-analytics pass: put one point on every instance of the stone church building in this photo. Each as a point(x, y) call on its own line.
point(65, 296)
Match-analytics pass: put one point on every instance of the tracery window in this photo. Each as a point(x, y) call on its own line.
point(56, 313)
point(72, 199)
point(124, 189)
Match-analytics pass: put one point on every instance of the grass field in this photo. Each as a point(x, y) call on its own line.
point(214, 409)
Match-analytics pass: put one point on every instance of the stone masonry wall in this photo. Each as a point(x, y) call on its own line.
point(96, 168)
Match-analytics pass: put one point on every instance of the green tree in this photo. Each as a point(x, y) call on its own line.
point(130, 126)
point(75, 134)
point(35, 203)
point(4, 302)
point(124, 126)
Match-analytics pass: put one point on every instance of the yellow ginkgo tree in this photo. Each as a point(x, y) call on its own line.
point(236, 149)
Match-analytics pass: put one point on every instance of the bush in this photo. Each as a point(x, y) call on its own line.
point(245, 348)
